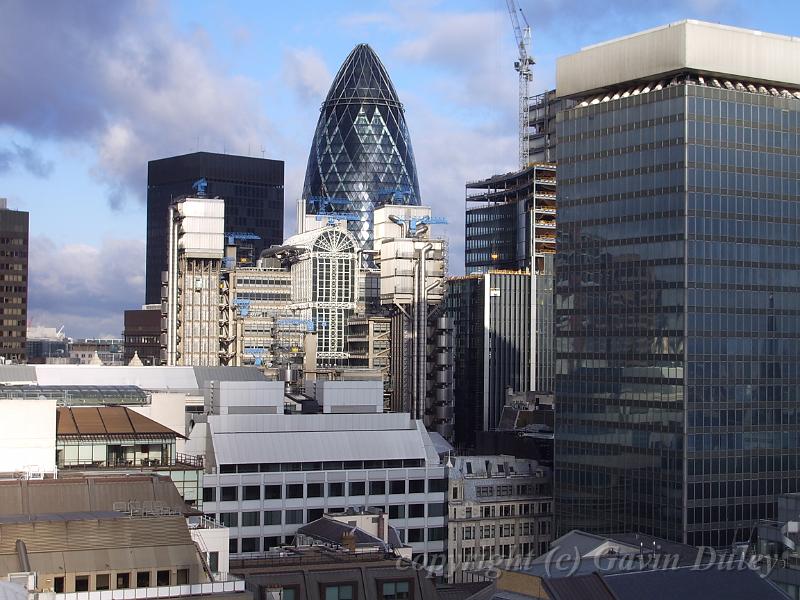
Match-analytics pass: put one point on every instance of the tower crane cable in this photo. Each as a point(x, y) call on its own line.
point(523, 66)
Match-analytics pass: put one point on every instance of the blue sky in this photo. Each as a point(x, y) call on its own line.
point(93, 89)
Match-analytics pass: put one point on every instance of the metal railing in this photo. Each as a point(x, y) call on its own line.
point(227, 584)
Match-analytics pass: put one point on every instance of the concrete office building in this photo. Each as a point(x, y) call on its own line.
point(269, 473)
point(369, 344)
point(492, 344)
point(252, 188)
point(172, 396)
point(109, 537)
point(142, 335)
point(109, 351)
point(511, 225)
point(542, 138)
point(413, 264)
point(13, 282)
point(500, 507)
point(263, 294)
point(677, 338)
point(191, 291)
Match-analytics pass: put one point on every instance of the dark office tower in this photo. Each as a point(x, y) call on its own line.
point(490, 313)
point(678, 283)
point(361, 156)
point(13, 282)
point(253, 193)
point(511, 225)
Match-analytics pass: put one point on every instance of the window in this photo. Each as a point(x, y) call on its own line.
point(143, 577)
point(272, 492)
point(182, 577)
point(377, 487)
point(357, 488)
point(416, 510)
point(229, 519)
point(468, 533)
point(335, 490)
point(271, 541)
point(251, 492)
point(162, 577)
point(250, 544)
point(314, 490)
point(294, 517)
point(416, 535)
point(101, 581)
point(315, 513)
point(437, 509)
point(397, 487)
point(437, 485)
point(209, 494)
point(395, 590)
point(343, 591)
point(58, 585)
point(416, 486)
point(294, 490)
point(468, 512)
point(397, 511)
point(289, 593)
point(455, 493)
point(228, 493)
point(272, 517)
point(233, 546)
point(213, 562)
point(251, 519)
point(123, 581)
point(81, 583)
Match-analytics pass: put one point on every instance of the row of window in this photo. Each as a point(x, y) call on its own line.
point(317, 490)
point(253, 518)
point(387, 590)
point(336, 465)
point(142, 579)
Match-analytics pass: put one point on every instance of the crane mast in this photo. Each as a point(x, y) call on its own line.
point(523, 66)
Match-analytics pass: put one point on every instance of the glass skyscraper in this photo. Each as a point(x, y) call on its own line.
point(251, 187)
point(361, 156)
point(678, 284)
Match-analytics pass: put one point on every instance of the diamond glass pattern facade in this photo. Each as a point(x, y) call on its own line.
point(678, 311)
point(361, 153)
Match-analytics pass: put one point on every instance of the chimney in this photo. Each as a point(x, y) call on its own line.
point(349, 541)
point(383, 529)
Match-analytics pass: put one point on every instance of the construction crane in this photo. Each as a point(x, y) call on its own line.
point(523, 66)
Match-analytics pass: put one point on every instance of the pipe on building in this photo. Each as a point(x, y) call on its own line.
point(22, 557)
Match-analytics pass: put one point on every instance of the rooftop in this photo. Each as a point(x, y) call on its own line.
point(108, 421)
point(696, 46)
point(159, 378)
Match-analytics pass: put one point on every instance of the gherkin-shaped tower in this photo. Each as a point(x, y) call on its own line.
point(361, 156)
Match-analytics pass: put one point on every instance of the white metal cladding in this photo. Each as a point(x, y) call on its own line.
point(316, 446)
point(147, 378)
point(343, 423)
point(694, 45)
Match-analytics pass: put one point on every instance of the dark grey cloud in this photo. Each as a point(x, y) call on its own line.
point(27, 158)
point(83, 287)
point(119, 77)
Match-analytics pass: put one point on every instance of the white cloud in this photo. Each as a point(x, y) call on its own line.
point(120, 77)
point(306, 73)
point(85, 287)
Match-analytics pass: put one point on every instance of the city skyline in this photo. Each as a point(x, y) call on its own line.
point(82, 124)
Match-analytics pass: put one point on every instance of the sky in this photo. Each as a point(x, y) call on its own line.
point(90, 90)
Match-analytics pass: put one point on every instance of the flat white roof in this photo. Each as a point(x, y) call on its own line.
point(242, 439)
point(686, 45)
